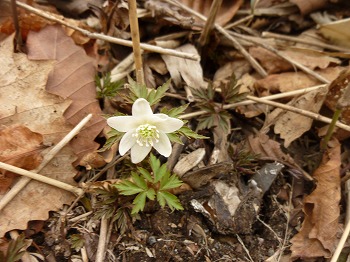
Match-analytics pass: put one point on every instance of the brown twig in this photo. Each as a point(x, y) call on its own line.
point(135, 37)
point(47, 158)
point(224, 32)
point(209, 25)
point(119, 41)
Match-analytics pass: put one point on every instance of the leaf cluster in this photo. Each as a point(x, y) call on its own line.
point(107, 88)
point(153, 185)
point(15, 250)
point(153, 96)
point(213, 103)
point(109, 206)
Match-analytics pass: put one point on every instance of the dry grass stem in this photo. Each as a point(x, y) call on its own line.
point(23, 181)
point(236, 44)
point(341, 243)
point(119, 41)
point(238, 22)
point(299, 111)
point(102, 243)
point(209, 25)
point(275, 51)
point(305, 41)
point(44, 179)
point(249, 102)
point(135, 36)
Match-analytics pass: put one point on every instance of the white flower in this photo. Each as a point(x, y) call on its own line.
point(144, 130)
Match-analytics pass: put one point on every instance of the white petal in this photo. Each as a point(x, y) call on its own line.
point(163, 146)
point(127, 142)
point(166, 124)
point(123, 123)
point(141, 108)
point(138, 153)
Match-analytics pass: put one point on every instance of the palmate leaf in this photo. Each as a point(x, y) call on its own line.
point(113, 137)
point(128, 188)
point(169, 181)
point(161, 173)
point(174, 112)
point(107, 88)
point(154, 163)
point(154, 96)
point(137, 90)
point(175, 137)
point(166, 198)
point(14, 252)
point(189, 133)
point(139, 181)
point(139, 203)
point(145, 174)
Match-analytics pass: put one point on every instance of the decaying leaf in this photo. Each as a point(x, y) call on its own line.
point(292, 125)
point(73, 78)
point(179, 68)
point(337, 32)
point(307, 7)
point(317, 237)
point(274, 64)
point(290, 81)
point(21, 147)
point(24, 101)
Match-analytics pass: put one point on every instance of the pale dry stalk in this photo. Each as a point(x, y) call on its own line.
point(135, 36)
point(119, 41)
point(23, 181)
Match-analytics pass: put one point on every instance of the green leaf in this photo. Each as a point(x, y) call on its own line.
point(139, 181)
point(174, 112)
point(154, 163)
point(113, 137)
point(155, 96)
point(171, 200)
point(145, 174)
point(175, 137)
point(128, 188)
point(161, 172)
point(14, 252)
point(189, 133)
point(107, 88)
point(139, 203)
point(169, 182)
point(77, 241)
point(151, 194)
point(138, 90)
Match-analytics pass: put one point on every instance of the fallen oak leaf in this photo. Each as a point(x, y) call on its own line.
point(72, 78)
point(24, 101)
point(21, 147)
point(317, 236)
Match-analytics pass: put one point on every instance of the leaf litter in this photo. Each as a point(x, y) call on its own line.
point(244, 184)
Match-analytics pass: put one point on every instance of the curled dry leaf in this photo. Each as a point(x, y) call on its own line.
point(292, 125)
point(317, 236)
point(226, 12)
point(72, 78)
point(24, 101)
point(21, 147)
point(275, 64)
point(307, 7)
point(284, 82)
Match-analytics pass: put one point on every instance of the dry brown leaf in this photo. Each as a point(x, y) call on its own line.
point(179, 68)
point(267, 148)
point(292, 125)
point(307, 7)
point(337, 32)
point(284, 82)
point(21, 147)
point(24, 101)
point(317, 236)
point(275, 64)
point(73, 78)
point(226, 12)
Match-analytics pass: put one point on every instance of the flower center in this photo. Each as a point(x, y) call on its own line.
point(146, 135)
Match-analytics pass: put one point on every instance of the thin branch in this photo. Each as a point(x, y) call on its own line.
point(23, 181)
point(44, 179)
point(290, 60)
point(236, 44)
point(119, 41)
point(305, 41)
point(250, 102)
point(102, 243)
point(135, 37)
point(209, 25)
